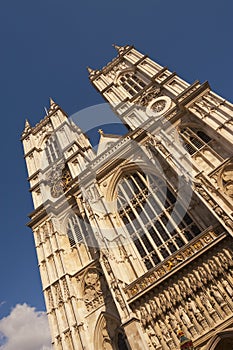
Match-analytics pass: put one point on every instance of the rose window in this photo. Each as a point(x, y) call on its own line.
point(158, 106)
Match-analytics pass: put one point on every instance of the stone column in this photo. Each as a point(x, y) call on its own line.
point(134, 334)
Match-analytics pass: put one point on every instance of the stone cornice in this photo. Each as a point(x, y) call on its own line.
point(193, 92)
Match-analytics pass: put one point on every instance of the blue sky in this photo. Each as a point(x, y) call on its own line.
point(45, 48)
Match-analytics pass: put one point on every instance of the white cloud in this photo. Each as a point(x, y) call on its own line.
point(25, 329)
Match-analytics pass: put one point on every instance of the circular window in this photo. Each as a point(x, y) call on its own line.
point(158, 106)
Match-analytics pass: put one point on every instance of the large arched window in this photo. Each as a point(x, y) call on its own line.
point(156, 223)
point(131, 82)
point(77, 229)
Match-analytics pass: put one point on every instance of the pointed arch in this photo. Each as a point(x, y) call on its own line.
point(193, 136)
point(76, 228)
point(105, 332)
point(148, 209)
point(221, 341)
point(43, 139)
point(131, 80)
point(128, 168)
point(50, 146)
point(130, 70)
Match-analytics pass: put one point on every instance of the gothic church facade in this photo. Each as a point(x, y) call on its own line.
point(134, 240)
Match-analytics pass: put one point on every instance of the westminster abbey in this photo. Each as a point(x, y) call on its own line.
point(134, 239)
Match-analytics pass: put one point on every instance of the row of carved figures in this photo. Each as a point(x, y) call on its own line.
point(196, 303)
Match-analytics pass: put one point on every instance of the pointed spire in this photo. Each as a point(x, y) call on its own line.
point(27, 128)
point(27, 124)
point(120, 49)
point(51, 102)
point(91, 71)
point(116, 47)
point(52, 106)
point(100, 131)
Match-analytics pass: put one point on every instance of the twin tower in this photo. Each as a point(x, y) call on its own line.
point(134, 239)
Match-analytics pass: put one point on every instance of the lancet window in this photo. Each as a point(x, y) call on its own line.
point(205, 151)
point(77, 229)
point(155, 221)
point(194, 140)
point(131, 83)
point(52, 150)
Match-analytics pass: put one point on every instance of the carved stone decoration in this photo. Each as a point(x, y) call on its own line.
point(203, 297)
point(58, 294)
point(184, 317)
point(214, 291)
point(194, 283)
point(153, 309)
point(204, 194)
point(166, 334)
point(50, 299)
point(172, 319)
point(45, 231)
point(226, 179)
point(192, 306)
point(65, 289)
point(227, 287)
point(119, 296)
point(58, 179)
point(147, 96)
point(108, 267)
point(93, 289)
point(106, 339)
point(207, 302)
point(154, 338)
point(158, 106)
point(105, 332)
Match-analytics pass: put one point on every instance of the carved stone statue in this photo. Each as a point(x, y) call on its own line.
point(163, 302)
point(227, 287)
point(193, 306)
point(153, 337)
point(193, 281)
point(143, 314)
point(203, 274)
point(173, 321)
point(183, 288)
point(206, 302)
point(154, 308)
point(184, 317)
point(216, 294)
point(198, 277)
point(164, 330)
point(213, 267)
point(173, 294)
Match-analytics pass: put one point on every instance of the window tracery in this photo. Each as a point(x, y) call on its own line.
point(77, 229)
point(194, 140)
point(52, 150)
point(131, 82)
point(153, 219)
point(204, 150)
point(59, 180)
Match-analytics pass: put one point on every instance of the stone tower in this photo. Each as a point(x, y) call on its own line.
point(134, 241)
